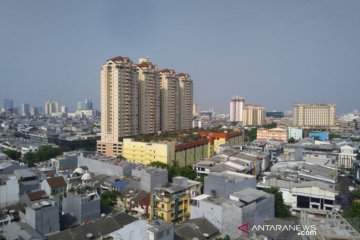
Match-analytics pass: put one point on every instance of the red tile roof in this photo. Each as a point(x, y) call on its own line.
point(118, 58)
point(37, 195)
point(182, 74)
point(166, 70)
point(143, 64)
point(56, 182)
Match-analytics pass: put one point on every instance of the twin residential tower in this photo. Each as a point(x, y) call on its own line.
point(141, 99)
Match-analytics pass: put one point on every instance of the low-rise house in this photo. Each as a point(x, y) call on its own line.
point(42, 215)
point(20, 230)
point(9, 191)
point(83, 203)
point(150, 177)
point(347, 156)
point(28, 180)
point(36, 195)
point(197, 228)
point(246, 206)
point(225, 183)
point(143, 230)
point(99, 229)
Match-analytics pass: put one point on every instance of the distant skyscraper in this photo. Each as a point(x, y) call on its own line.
point(34, 111)
point(170, 101)
point(80, 105)
point(51, 106)
point(314, 115)
point(64, 109)
point(140, 99)
point(186, 100)
point(87, 104)
point(253, 115)
point(25, 109)
point(195, 109)
point(149, 97)
point(119, 104)
point(8, 105)
point(236, 109)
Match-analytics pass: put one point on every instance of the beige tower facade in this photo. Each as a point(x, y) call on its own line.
point(254, 115)
point(119, 104)
point(149, 97)
point(170, 101)
point(186, 101)
point(314, 115)
point(237, 109)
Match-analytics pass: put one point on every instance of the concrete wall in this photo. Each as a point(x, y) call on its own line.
point(231, 220)
point(265, 210)
point(151, 180)
point(89, 210)
point(100, 167)
point(72, 204)
point(44, 220)
point(28, 186)
point(224, 188)
point(65, 162)
point(9, 192)
point(212, 212)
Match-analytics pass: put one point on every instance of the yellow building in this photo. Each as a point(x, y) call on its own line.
point(184, 154)
point(171, 204)
point(254, 115)
point(222, 138)
point(279, 134)
point(147, 152)
point(320, 116)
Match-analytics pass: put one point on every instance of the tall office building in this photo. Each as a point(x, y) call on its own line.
point(119, 104)
point(170, 101)
point(64, 109)
point(236, 109)
point(34, 111)
point(253, 115)
point(186, 101)
point(8, 105)
point(25, 109)
point(51, 106)
point(149, 97)
point(195, 109)
point(87, 104)
point(320, 116)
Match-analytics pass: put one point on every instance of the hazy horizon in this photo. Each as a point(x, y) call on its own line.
point(272, 53)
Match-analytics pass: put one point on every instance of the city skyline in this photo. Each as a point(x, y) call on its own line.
point(308, 51)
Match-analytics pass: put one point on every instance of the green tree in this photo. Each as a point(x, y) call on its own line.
point(175, 170)
point(281, 209)
point(270, 125)
point(158, 164)
point(356, 193)
point(42, 154)
point(250, 135)
point(108, 198)
point(186, 171)
point(353, 211)
point(292, 140)
point(15, 155)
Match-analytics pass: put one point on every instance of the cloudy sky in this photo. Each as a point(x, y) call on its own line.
point(273, 53)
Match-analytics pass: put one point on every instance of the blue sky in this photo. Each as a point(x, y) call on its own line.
point(273, 53)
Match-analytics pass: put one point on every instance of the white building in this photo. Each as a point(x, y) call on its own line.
point(295, 133)
point(25, 109)
point(9, 191)
point(347, 156)
point(236, 109)
point(51, 106)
